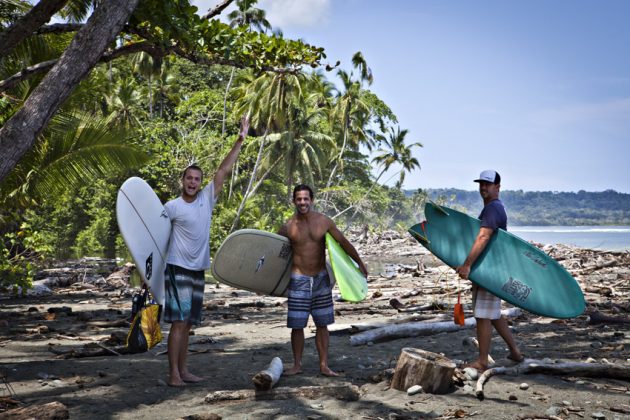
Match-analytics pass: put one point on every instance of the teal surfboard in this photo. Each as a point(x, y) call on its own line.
point(510, 268)
point(350, 280)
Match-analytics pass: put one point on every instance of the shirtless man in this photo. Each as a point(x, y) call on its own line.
point(310, 291)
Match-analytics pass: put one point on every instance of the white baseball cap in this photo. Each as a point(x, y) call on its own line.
point(490, 176)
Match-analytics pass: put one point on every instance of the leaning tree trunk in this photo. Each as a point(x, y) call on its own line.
point(27, 24)
point(19, 133)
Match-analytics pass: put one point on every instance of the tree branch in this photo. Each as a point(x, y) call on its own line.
point(58, 28)
point(43, 67)
point(27, 24)
point(210, 61)
point(217, 9)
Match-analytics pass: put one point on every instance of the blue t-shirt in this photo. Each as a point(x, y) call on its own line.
point(493, 216)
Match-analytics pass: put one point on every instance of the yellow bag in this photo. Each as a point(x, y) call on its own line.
point(145, 331)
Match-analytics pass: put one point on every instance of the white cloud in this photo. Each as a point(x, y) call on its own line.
point(282, 14)
point(296, 13)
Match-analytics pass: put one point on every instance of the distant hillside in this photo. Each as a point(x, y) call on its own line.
point(540, 208)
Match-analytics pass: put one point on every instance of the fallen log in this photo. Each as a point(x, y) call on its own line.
point(597, 317)
point(266, 379)
point(346, 392)
point(528, 366)
point(401, 307)
point(365, 326)
point(54, 410)
point(414, 329)
point(88, 352)
point(109, 324)
point(433, 372)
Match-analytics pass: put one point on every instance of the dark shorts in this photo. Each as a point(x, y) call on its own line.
point(189, 291)
point(310, 295)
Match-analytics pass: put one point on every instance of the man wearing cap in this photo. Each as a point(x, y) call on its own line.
point(486, 306)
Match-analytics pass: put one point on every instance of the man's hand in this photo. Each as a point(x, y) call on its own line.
point(463, 271)
point(244, 127)
point(363, 269)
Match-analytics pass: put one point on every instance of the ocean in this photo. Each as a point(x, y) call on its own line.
point(609, 238)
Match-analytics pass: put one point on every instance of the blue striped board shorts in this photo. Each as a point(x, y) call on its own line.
point(188, 291)
point(310, 295)
point(485, 304)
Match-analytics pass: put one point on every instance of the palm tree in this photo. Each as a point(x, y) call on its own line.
point(148, 67)
point(351, 109)
point(300, 146)
point(267, 100)
point(247, 15)
point(252, 18)
point(124, 104)
point(167, 88)
point(395, 152)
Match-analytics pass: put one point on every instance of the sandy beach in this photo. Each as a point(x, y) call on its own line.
point(47, 342)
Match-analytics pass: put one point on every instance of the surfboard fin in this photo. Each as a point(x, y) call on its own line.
point(438, 208)
point(420, 238)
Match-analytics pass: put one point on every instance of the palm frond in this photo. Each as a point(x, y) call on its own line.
point(75, 149)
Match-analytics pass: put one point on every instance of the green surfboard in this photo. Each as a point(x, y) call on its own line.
point(350, 280)
point(510, 268)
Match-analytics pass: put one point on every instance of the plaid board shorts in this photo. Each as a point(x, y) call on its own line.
point(189, 290)
point(310, 295)
point(485, 304)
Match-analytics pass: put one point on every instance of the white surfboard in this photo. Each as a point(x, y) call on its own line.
point(146, 229)
point(254, 260)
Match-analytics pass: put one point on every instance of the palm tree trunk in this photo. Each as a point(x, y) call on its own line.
point(365, 196)
point(343, 148)
point(227, 90)
point(362, 198)
point(249, 185)
point(150, 98)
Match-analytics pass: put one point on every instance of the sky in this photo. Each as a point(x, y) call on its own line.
point(538, 90)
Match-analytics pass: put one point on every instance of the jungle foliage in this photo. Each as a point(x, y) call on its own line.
point(171, 93)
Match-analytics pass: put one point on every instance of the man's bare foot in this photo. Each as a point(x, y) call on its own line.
point(326, 371)
point(293, 371)
point(176, 382)
point(516, 357)
point(189, 377)
point(477, 365)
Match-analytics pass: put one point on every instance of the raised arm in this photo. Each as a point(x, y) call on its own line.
point(483, 237)
point(228, 161)
point(347, 246)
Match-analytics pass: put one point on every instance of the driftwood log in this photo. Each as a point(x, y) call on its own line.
point(432, 371)
point(54, 410)
point(593, 370)
point(414, 329)
point(364, 326)
point(347, 392)
point(69, 353)
point(597, 317)
point(266, 379)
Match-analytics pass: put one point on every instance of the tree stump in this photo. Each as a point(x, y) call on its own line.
point(419, 367)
